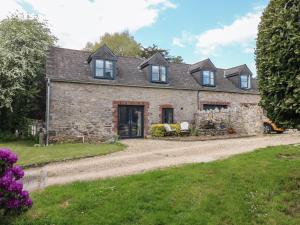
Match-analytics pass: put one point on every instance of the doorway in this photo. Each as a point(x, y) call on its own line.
point(130, 121)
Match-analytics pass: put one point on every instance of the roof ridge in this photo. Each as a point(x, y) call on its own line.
point(236, 66)
point(124, 56)
point(200, 61)
point(81, 50)
point(140, 58)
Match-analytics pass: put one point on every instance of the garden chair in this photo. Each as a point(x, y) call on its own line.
point(169, 130)
point(184, 128)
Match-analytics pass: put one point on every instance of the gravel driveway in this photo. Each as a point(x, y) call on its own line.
point(142, 155)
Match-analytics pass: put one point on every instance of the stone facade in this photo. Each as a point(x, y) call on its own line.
point(87, 102)
point(90, 110)
point(243, 119)
point(225, 98)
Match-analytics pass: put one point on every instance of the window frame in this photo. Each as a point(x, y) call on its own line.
point(160, 74)
point(217, 106)
point(112, 77)
point(211, 78)
point(164, 115)
point(248, 81)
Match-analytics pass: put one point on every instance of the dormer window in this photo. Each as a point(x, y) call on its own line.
point(208, 78)
point(159, 74)
point(104, 69)
point(245, 81)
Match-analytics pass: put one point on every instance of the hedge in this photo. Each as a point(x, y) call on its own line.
point(158, 130)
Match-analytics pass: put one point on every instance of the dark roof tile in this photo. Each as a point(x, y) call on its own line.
point(204, 64)
point(72, 65)
point(156, 59)
point(237, 70)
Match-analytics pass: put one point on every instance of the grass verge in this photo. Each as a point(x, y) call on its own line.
point(262, 187)
point(30, 156)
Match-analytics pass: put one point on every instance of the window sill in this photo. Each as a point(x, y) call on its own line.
point(208, 85)
point(159, 82)
point(104, 78)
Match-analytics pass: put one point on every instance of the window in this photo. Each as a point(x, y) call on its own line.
point(99, 68)
point(159, 74)
point(213, 107)
point(208, 78)
point(167, 115)
point(245, 81)
point(104, 69)
point(248, 104)
point(109, 69)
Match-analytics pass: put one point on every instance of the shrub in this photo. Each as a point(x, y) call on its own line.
point(7, 136)
point(278, 62)
point(13, 199)
point(176, 126)
point(158, 130)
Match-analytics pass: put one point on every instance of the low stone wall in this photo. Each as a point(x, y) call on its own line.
point(244, 120)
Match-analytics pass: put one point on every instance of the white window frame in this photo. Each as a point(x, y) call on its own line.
point(211, 78)
point(162, 76)
point(248, 81)
point(104, 69)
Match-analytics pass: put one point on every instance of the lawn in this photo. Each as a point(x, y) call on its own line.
point(262, 187)
point(30, 155)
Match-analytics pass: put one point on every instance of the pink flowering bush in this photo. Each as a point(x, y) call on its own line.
point(13, 199)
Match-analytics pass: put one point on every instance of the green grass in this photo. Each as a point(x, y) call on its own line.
point(29, 155)
point(262, 187)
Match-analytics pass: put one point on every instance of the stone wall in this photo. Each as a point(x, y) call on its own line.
point(243, 119)
point(230, 99)
point(89, 110)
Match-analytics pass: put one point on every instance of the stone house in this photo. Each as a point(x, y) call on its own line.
point(98, 95)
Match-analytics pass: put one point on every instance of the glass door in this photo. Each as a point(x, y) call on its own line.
point(130, 121)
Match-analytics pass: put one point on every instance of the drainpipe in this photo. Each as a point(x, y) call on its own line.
point(47, 110)
point(198, 100)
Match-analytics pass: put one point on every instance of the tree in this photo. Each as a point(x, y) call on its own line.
point(120, 43)
point(278, 62)
point(123, 44)
point(24, 42)
point(176, 59)
point(151, 50)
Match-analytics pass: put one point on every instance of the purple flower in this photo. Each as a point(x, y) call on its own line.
point(6, 179)
point(18, 172)
point(28, 203)
point(24, 195)
point(15, 187)
point(8, 156)
point(12, 196)
point(13, 204)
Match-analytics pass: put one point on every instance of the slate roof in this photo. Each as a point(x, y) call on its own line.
point(204, 64)
point(156, 59)
point(72, 66)
point(104, 53)
point(237, 70)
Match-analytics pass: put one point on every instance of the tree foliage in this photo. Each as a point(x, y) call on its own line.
point(122, 44)
point(151, 50)
point(278, 61)
point(23, 46)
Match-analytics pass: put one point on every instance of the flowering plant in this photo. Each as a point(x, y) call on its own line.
point(13, 199)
